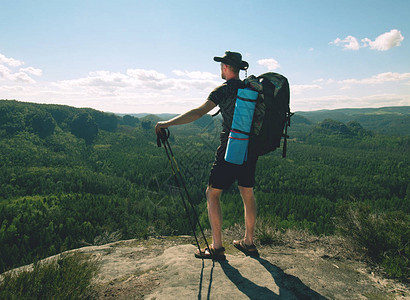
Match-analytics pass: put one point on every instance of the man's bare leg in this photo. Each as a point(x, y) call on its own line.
point(249, 202)
point(215, 215)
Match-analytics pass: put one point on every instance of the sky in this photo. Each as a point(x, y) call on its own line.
point(156, 56)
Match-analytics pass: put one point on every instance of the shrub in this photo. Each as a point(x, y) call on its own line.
point(67, 277)
point(267, 232)
point(383, 236)
point(107, 237)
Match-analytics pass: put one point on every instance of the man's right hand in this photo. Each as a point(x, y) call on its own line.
point(160, 125)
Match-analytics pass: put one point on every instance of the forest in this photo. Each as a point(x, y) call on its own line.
point(71, 177)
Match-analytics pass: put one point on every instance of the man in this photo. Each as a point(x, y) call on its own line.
point(223, 174)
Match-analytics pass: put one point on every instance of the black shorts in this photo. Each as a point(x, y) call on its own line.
point(223, 174)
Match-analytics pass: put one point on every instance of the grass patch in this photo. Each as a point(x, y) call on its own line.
point(267, 232)
point(67, 277)
point(384, 237)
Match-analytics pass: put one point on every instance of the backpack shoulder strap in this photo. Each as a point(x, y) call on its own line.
point(245, 84)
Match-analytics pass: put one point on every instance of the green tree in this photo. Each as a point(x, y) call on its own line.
point(84, 126)
point(42, 123)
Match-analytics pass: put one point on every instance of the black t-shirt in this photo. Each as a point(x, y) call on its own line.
point(225, 97)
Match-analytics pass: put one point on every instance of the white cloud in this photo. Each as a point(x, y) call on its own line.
point(299, 88)
point(7, 64)
point(385, 41)
point(137, 82)
point(11, 89)
point(136, 90)
point(336, 101)
point(378, 79)
point(4, 72)
point(270, 63)
point(196, 75)
point(102, 83)
point(7, 74)
point(10, 61)
point(324, 81)
point(383, 89)
point(146, 75)
point(349, 43)
point(188, 84)
point(31, 70)
point(21, 77)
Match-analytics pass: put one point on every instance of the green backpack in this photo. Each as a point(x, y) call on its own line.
point(272, 113)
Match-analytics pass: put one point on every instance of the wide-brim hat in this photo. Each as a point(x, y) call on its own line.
point(233, 59)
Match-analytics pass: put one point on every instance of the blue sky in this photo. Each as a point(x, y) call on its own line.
point(157, 56)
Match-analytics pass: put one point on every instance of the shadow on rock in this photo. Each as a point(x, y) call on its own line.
point(210, 281)
point(290, 287)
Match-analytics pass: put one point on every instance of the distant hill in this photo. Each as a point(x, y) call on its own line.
point(386, 120)
point(345, 114)
point(43, 118)
point(143, 115)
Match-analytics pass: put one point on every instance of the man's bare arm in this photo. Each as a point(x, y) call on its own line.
point(188, 117)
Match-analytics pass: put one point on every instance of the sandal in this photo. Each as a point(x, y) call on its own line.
point(248, 250)
point(215, 254)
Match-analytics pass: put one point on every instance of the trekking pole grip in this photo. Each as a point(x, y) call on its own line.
point(162, 136)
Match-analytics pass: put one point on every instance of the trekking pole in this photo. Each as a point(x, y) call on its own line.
point(285, 141)
point(163, 137)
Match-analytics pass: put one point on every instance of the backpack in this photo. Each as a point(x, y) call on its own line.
point(272, 113)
